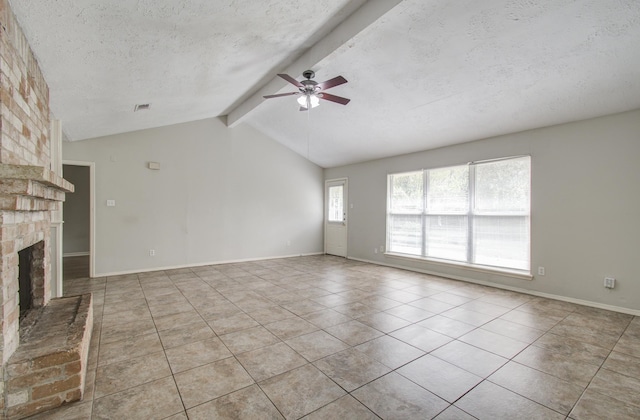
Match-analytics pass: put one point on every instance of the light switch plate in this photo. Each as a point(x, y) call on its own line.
point(111, 203)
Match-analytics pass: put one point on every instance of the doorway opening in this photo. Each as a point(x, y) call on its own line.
point(78, 214)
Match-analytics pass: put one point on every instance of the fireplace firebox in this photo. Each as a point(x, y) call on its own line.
point(26, 272)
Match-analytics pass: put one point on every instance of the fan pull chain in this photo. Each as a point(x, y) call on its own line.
point(308, 130)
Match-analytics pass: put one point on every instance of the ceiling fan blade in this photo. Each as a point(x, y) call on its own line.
point(281, 94)
point(336, 81)
point(291, 80)
point(333, 98)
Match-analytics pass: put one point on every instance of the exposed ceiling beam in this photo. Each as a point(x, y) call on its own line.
point(359, 20)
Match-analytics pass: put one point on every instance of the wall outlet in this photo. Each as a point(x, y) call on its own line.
point(609, 282)
point(381, 248)
point(541, 271)
point(288, 243)
point(375, 250)
point(111, 203)
point(152, 252)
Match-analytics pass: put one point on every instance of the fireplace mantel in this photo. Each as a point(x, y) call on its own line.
point(31, 188)
point(34, 173)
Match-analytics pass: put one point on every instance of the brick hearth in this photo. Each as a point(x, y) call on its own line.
point(49, 366)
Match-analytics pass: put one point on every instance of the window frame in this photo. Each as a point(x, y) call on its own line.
point(470, 213)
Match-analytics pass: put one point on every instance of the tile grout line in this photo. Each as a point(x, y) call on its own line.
point(95, 375)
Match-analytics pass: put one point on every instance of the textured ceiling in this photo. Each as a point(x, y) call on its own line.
point(424, 75)
point(189, 59)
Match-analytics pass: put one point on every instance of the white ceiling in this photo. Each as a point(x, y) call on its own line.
point(422, 74)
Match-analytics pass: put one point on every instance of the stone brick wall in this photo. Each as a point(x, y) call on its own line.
point(24, 98)
point(24, 140)
point(29, 193)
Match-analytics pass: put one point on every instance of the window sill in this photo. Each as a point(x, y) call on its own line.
point(516, 274)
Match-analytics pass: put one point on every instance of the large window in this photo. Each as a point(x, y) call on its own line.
point(473, 214)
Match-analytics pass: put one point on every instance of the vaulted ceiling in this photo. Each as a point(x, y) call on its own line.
point(422, 73)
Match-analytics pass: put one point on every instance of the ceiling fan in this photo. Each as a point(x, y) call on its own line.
point(311, 91)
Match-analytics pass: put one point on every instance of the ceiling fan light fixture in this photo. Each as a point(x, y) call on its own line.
point(308, 99)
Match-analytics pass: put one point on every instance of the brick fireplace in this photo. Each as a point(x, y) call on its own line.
point(44, 344)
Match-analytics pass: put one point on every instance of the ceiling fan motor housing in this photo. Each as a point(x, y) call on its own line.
point(309, 86)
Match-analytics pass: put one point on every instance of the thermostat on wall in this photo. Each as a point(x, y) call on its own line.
point(154, 165)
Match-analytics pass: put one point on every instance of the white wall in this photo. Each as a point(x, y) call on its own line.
point(222, 194)
point(585, 206)
point(75, 212)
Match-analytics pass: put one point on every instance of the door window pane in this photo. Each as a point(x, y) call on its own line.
point(336, 204)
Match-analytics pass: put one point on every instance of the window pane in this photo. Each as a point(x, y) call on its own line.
point(406, 194)
point(405, 234)
point(336, 205)
point(503, 187)
point(501, 241)
point(447, 237)
point(448, 190)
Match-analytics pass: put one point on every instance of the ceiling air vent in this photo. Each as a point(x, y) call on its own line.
point(141, 107)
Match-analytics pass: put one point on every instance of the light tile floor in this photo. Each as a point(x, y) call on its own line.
point(329, 338)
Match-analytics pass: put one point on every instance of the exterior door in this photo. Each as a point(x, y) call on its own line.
point(335, 219)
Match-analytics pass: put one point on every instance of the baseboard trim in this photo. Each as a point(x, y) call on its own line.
point(592, 304)
point(175, 267)
point(76, 254)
